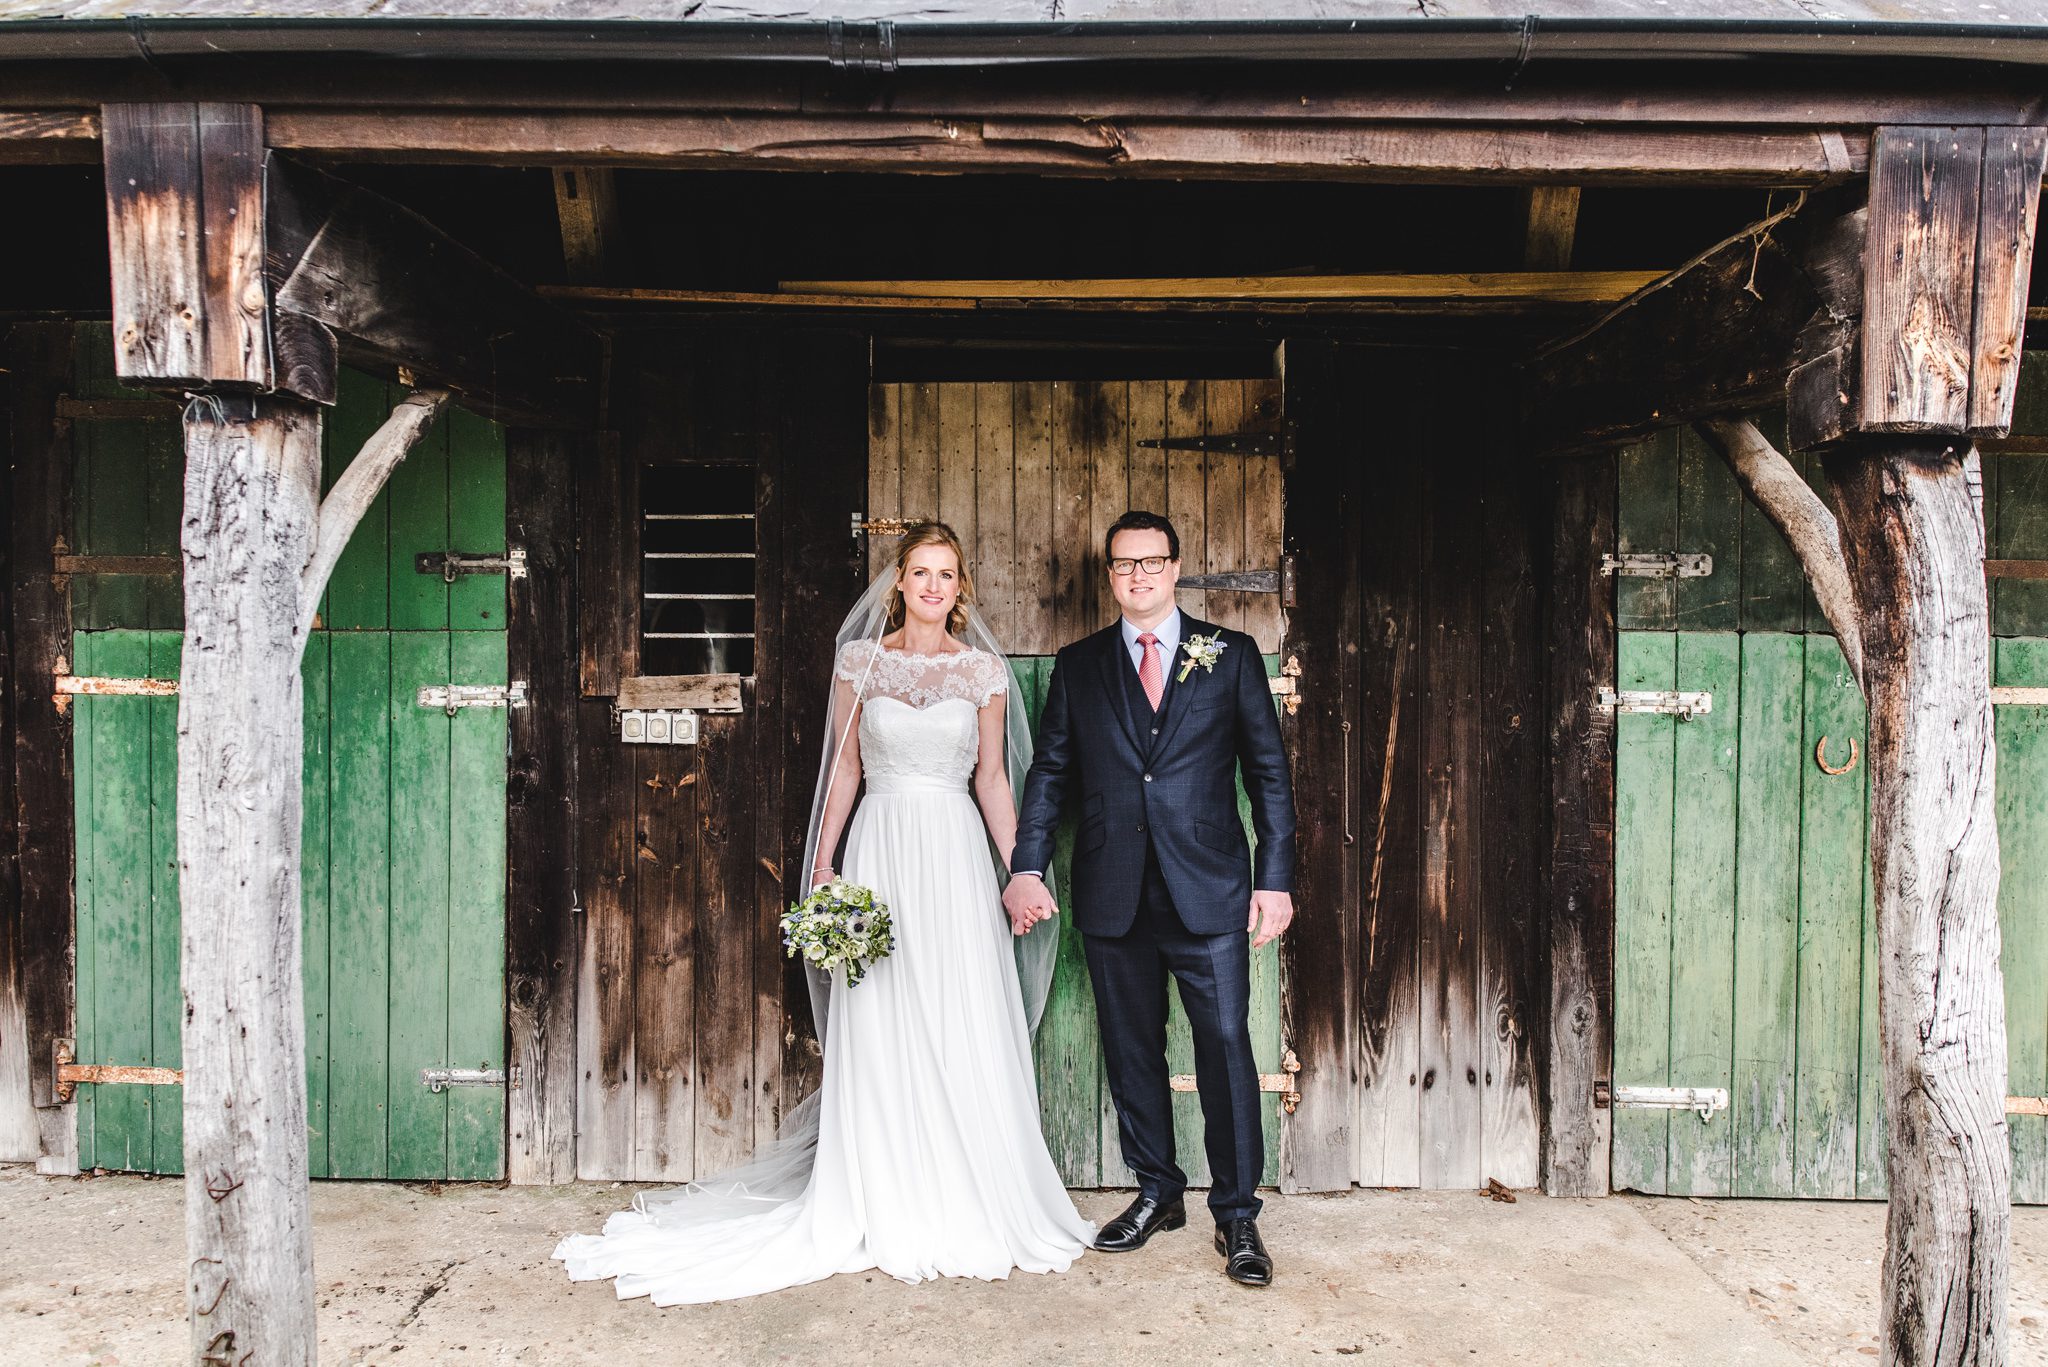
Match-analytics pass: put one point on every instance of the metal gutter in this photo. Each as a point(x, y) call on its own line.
point(884, 46)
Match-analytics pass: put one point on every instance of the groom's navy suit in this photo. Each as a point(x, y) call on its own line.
point(1162, 881)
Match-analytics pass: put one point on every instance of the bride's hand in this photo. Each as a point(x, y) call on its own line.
point(820, 877)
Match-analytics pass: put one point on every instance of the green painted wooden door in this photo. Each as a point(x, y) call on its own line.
point(1745, 950)
point(404, 836)
point(1073, 1095)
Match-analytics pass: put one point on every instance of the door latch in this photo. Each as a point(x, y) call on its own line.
point(451, 565)
point(1701, 1101)
point(1668, 702)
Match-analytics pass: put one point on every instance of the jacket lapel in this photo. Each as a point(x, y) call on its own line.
point(1111, 656)
point(1178, 695)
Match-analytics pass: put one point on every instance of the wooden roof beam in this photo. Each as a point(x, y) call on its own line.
point(53, 137)
point(394, 291)
point(236, 271)
point(1440, 152)
point(1719, 336)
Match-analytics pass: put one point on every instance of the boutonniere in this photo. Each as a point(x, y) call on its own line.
point(1203, 651)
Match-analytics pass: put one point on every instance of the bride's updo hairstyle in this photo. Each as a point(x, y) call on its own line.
point(932, 534)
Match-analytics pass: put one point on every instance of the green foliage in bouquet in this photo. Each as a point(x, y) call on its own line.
point(840, 925)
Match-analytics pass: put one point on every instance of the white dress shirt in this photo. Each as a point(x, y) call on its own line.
point(1168, 633)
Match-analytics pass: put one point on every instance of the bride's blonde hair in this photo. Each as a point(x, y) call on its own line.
point(931, 534)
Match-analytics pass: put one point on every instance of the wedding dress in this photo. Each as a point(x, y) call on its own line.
point(929, 1161)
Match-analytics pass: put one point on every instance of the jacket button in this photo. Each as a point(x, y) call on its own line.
point(1155, 730)
point(1148, 778)
point(1141, 828)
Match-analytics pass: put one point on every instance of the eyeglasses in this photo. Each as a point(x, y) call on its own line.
point(1152, 564)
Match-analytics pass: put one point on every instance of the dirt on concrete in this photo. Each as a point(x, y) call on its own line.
point(90, 1274)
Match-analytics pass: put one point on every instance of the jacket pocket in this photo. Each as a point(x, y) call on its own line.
point(1092, 836)
point(1229, 841)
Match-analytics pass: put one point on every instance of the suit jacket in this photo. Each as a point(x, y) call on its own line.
point(1176, 790)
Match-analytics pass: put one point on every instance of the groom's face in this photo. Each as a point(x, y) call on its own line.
point(1139, 594)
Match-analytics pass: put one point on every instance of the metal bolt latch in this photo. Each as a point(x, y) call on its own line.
point(440, 1079)
point(1701, 1101)
point(452, 698)
point(450, 565)
point(1684, 706)
point(1659, 565)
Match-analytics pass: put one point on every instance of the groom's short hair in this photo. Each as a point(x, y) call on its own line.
point(1138, 520)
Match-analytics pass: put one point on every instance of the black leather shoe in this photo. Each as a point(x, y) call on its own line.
point(1142, 1219)
point(1245, 1259)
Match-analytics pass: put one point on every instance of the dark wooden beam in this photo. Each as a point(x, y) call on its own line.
point(185, 241)
point(1940, 308)
point(1578, 885)
point(1148, 145)
point(393, 291)
point(540, 910)
point(1318, 955)
point(1720, 335)
point(38, 361)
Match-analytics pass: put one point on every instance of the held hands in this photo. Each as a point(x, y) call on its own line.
point(1028, 902)
point(1276, 910)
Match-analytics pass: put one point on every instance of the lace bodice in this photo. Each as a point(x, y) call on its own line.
point(908, 733)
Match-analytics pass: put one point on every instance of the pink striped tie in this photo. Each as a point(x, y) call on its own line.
point(1148, 670)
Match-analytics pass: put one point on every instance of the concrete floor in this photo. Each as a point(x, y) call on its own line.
point(89, 1274)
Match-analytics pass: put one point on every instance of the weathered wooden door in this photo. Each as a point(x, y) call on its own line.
point(1419, 770)
point(1744, 949)
point(404, 845)
point(1030, 475)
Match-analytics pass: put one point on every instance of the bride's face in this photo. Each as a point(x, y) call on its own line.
point(930, 584)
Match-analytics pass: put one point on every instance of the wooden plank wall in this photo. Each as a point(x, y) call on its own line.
point(1031, 475)
point(1744, 941)
point(692, 1032)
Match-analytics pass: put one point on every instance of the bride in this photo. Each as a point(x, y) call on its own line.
point(920, 1154)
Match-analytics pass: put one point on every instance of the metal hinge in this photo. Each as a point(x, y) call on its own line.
point(1287, 685)
point(1231, 443)
point(1684, 706)
point(67, 1074)
point(1235, 581)
point(450, 565)
point(451, 698)
point(1659, 565)
point(1701, 1101)
point(863, 525)
point(1282, 1082)
point(2014, 696)
point(440, 1079)
point(69, 686)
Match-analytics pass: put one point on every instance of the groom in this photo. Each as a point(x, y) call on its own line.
point(1146, 724)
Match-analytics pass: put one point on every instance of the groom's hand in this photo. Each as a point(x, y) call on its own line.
point(1272, 913)
point(1028, 902)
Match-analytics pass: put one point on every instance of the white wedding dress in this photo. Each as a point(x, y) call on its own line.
point(929, 1159)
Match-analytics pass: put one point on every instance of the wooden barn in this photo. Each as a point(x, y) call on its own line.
point(663, 320)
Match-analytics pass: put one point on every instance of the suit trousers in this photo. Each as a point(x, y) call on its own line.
point(1214, 973)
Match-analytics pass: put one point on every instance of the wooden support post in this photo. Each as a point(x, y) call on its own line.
point(540, 927)
point(38, 359)
point(1579, 890)
point(1317, 957)
point(252, 488)
point(1913, 538)
point(586, 207)
point(1550, 215)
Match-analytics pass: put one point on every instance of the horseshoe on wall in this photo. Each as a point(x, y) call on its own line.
point(1820, 757)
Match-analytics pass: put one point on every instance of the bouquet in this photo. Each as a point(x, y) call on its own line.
point(840, 924)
